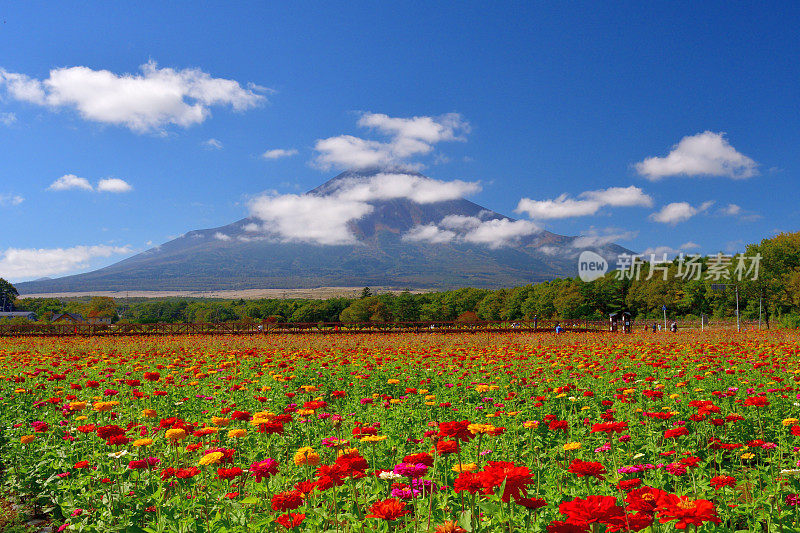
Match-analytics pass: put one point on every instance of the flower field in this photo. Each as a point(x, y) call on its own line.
point(568, 433)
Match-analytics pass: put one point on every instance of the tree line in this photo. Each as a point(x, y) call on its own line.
point(774, 293)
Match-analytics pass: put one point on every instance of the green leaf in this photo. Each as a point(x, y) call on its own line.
point(465, 520)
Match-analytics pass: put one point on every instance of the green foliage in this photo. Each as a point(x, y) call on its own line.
point(8, 293)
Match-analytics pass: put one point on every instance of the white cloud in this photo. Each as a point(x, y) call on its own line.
point(27, 263)
point(114, 185)
point(704, 154)
point(689, 246)
point(596, 238)
point(587, 203)
point(731, 210)
point(658, 252)
point(388, 185)
point(21, 87)
point(142, 102)
point(429, 233)
point(495, 233)
point(10, 199)
point(678, 212)
point(409, 137)
point(7, 119)
point(221, 236)
point(212, 144)
point(308, 218)
point(278, 153)
point(324, 219)
point(70, 181)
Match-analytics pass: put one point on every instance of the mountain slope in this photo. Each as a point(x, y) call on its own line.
point(238, 257)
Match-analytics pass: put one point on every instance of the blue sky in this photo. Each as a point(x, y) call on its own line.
point(531, 101)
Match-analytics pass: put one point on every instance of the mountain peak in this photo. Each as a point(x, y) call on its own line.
point(335, 182)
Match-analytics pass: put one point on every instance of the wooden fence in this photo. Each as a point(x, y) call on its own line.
point(293, 328)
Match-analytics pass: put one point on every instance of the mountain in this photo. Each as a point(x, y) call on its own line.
point(248, 254)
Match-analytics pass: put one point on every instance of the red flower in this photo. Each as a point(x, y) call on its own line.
point(629, 484)
point(228, 473)
point(456, 430)
point(557, 425)
point(329, 476)
point(423, 458)
point(645, 499)
point(287, 501)
point(290, 520)
point(351, 465)
point(719, 482)
point(516, 479)
point(686, 511)
point(631, 522)
point(594, 509)
point(186, 473)
point(610, 427)
point(558, 526)
point(756, 401)
point(675, 432)
point(389, 509)
point(444, 447)
point(468, 481)
point(587, 468)
point(264, 469)
point(81, 464)
point(304, 486)
point(531, 503)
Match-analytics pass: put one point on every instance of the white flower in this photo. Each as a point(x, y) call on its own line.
point(117, 455)
point(388, 475)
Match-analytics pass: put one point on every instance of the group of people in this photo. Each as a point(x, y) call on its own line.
point(673, 327)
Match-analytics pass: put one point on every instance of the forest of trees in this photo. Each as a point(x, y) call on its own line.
point(776, 289)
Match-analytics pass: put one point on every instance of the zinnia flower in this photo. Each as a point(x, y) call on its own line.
point(388, 509)
point(264, 469)
point(587, 468)
point(287, 501)
point(686, 511)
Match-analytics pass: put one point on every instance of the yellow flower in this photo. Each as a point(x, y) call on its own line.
point(747, 455)
point(393, 381)
point(175, 434)
point(528, 424)
point(27, 439)
point(394, 401)
point(211, 458)
point(373, 438)
point(306, 456)
point(481, 388)
point(468, 467)
point(220, 421)
point(142, 442)
point(305, 412)
point(77, 406)
point(149, 413)
point(236, 433)
point(102, 407)
point(571, 446)
point(789, 421)
point(80, 418)
point(480, 428)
